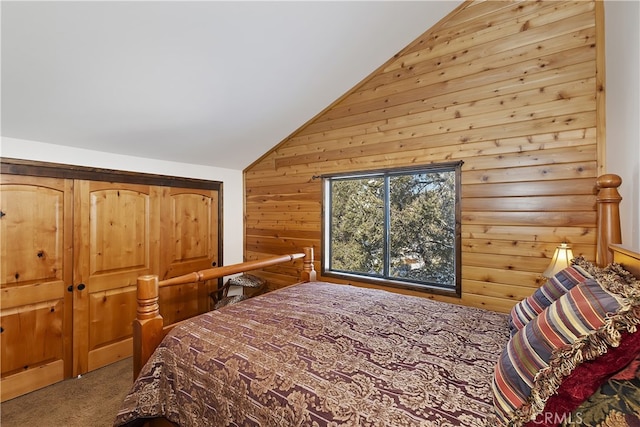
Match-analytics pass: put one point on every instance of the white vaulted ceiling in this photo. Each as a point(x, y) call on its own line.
point(205, 82)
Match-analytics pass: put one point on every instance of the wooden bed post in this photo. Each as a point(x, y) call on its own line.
point(147, 324)
point(308, 272)
point(608, 221)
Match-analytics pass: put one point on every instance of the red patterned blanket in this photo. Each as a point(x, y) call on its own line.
point(320, 354)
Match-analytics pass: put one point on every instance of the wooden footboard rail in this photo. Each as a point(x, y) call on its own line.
point(148, 327)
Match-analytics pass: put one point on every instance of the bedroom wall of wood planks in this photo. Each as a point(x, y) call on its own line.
point(512, 89)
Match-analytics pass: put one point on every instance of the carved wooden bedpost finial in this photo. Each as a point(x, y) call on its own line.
point(608, 205)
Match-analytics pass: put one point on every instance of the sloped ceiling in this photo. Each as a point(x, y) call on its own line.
point(205, 82)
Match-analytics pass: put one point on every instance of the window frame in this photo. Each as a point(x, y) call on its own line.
point(456, 290)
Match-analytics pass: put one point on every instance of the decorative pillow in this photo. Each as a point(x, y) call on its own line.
point(585, 380)
point(247, 280)
point(581, 269)
point(558, 285)
point(581, 325)
point(612, 271)
point(615, 403)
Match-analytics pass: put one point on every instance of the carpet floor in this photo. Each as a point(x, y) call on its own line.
point(90, 401)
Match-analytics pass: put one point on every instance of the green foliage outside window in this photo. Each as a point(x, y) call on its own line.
point(399, 226)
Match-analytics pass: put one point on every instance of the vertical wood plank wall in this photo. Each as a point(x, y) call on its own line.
point(511, 89)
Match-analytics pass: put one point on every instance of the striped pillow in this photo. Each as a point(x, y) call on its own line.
point(558, 285)
point(580, 325)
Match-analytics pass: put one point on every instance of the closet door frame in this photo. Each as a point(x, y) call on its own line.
point(81, 173)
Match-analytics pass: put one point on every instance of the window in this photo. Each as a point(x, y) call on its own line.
point(395, 227)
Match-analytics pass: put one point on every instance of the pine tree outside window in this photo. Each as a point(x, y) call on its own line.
point(395, 227)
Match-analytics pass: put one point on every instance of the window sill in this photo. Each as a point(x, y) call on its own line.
point(399, 284)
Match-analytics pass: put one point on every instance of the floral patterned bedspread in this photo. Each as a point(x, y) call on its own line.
point(320, 354)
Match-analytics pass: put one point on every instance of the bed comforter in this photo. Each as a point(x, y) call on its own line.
point(320, 354)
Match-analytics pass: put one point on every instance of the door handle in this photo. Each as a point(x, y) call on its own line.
point(81, 286)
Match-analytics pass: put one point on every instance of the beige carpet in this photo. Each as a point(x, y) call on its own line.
point(90, 401)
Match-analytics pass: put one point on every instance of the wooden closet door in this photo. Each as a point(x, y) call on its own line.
point(116, 240)
point(189, 242)
point(36, 308)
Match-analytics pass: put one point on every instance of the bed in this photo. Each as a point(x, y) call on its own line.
point(323, 354)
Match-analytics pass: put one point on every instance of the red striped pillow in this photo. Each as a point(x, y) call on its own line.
point(580, 325)
point(558, 285)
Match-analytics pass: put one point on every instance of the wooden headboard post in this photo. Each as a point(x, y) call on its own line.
point(608, 211)
point(148, 322)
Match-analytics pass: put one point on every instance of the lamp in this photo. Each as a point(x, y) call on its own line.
point(561, 258)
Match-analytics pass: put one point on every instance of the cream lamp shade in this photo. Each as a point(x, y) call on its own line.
point(561, 259)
